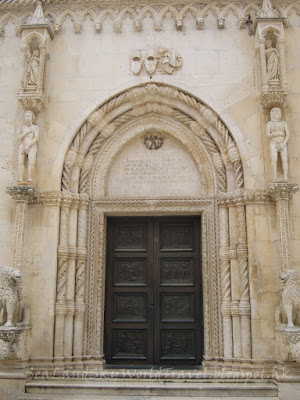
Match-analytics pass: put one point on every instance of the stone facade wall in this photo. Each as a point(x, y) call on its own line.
point(86, 69)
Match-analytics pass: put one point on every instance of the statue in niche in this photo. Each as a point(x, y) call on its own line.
point(28, 147)
point(278, 131)
point(33, 65)
point(272, 61)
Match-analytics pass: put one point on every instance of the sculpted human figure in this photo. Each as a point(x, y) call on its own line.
point(272, 61)
point(33, 68)
point(28, 147)
point(278, 131)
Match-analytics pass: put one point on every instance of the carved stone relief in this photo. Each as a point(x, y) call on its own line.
point(28, 148)
point(279, 135)
point(165, 61)
point(270, 45)
point(288, 317)
point(35, 53)
point(14, 315)
point(113, 10)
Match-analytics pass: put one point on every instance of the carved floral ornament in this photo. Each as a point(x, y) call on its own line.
point(137, 11)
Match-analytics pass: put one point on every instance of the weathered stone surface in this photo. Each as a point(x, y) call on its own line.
point(150, 109)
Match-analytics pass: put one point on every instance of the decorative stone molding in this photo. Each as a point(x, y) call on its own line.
point(165, 61)
point(281, 192)
point(135, 103)
point(96, 272)
point(245, 196)
point(96, 145)
point(137, 11)
point(270, 45)
point(35, 53)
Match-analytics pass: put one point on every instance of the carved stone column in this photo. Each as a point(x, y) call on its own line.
point(70, 275)
point(61, 305)
point(80, 275)
point(23, 194)
point(281, 192)
point(226, 280)
point(16, 339)
point(242, 257)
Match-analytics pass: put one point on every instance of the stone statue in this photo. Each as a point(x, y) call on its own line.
point(33, 68)
point(272, 61)
point(290, 296)
point(278, 131)
point(9, 295)
point(28, 147)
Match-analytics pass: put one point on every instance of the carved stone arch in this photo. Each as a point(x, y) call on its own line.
point(139, 128)
point(201, 120)
point(271, 28)
point(290, 8)
point(169, 9)
point(210, 7)
point(231, 7)
point(84, 15)
point(188, 9)
point(81, 255)
point(64, 15)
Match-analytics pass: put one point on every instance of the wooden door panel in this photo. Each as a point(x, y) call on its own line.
point(153, 312)
point(129, 307)
point(129, 344)
point(176, 271)
point(130, 271)
point(178, 344)
point(129, 237)
point(129, 295)
point(177, 307)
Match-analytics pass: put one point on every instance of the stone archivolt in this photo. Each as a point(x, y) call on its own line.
point(137, 12)
point(81, 285)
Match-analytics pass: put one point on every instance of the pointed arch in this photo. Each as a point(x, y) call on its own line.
point(138, 102)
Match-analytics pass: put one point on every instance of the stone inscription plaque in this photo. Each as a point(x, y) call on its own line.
point(167, 172)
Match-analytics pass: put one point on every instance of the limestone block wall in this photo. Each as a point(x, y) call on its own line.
point(86, 69)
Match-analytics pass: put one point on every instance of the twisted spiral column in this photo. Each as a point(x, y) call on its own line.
point(226, 281)
point(281, 51)
point(63, 251)
point(263, 64)
point(80, 275)
point(40, 83)
point(244, 307)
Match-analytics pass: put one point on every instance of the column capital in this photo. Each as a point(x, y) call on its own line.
point(25, 193)
point(281, 190)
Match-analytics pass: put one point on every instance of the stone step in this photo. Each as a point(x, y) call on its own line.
point(97, 397)
point(121, 389)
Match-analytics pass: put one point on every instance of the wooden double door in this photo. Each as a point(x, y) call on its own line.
point(153, 311)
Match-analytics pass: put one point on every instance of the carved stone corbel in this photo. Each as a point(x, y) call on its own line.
point(35, 53)
point(270, 46)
